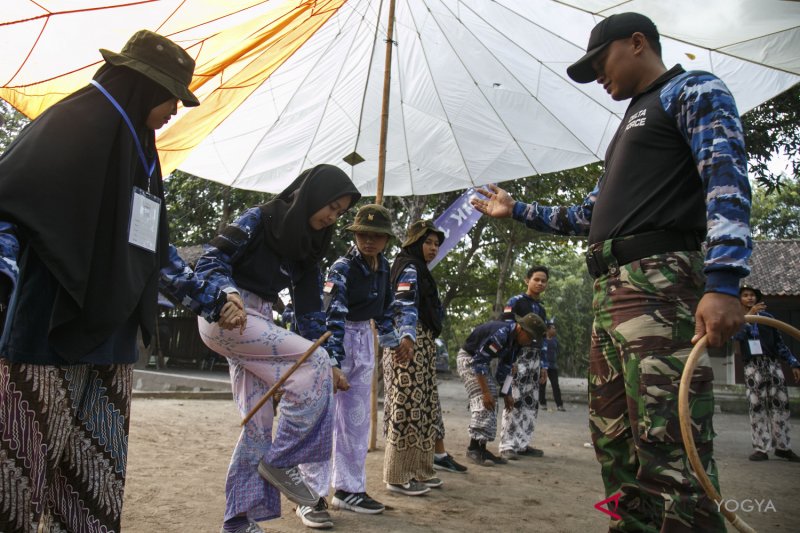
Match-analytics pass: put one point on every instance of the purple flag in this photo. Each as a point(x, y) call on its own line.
point(456, 222)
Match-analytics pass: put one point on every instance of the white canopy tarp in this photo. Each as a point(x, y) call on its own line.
point(479, 90)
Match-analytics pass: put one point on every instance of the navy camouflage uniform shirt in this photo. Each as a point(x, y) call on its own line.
point(176, 280)
point(490, 340)
point(700, 114)
point(217, 266)
point(354, 292)
point(521, 305)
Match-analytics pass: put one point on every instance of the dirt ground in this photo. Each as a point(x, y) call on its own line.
point(179, 452)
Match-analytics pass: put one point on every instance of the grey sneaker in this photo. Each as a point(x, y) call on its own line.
point(411, 488)
point(434, 482)
point(252, 527)
point(509, 455)
point(290, 482)
point(315, 516)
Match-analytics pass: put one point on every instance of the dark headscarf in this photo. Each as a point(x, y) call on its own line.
point(67, 183)
point(430, 310)
point(287, 231)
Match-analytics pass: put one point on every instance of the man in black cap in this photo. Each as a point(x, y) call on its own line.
point(675, 175)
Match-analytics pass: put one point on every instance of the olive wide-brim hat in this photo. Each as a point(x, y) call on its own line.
point(419, 229)
point(374, 218)
point(532, 324)
point(159, 59)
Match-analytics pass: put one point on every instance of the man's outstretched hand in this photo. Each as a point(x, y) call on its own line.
point(500, 204)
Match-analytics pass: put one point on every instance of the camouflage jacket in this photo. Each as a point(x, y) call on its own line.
point(698, 115)
point(217, 266)
point(492, 340)
point(353, 291)
point(521, 305)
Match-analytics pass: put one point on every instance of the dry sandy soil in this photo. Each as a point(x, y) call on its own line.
point(179, 453)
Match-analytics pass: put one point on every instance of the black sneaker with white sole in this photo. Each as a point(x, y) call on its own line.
point(449, 464)
point(358, 502)
point(316, 516)
point(290, 482)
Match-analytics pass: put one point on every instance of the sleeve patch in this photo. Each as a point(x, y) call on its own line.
point(403, 287)
point(328, 287)
point(493, 348)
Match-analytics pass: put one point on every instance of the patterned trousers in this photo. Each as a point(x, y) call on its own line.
point(769, 404)
point(520, 423)
point(257, 359)
point(411, 402)
point(643, 325)
point(482, 422)
point(63, 446)
point(351, 416)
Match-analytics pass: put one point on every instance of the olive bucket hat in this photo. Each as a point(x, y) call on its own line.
point(419, 229)
point(159, 59)
point(532, 324)
point(374, 218)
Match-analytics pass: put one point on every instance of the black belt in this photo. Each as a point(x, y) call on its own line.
point(628, 249)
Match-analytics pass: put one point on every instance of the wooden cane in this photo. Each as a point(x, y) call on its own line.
point(284, 377)
point(686, 420)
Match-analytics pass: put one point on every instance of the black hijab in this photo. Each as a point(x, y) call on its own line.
point(287, 231)
point(67, 182)
point(430, 311)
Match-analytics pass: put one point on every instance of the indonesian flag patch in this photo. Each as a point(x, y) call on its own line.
point(493, 348)
point(507, 309)
point(403, 287)
point(328, 287)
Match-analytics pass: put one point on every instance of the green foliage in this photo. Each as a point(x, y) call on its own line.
point(11, 123)
point(198, 209)
point(776, 215)
point(773, 129)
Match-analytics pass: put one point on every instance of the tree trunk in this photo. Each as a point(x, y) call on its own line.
point(506, 266)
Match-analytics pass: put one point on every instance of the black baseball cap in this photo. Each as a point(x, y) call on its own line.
point(620, 26)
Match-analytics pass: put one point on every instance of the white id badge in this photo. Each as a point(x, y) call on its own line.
point(507, 384)
point(755, 347)
point(145, 211)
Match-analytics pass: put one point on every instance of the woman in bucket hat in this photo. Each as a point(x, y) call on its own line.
point(85, 247)
point(357, 289)
point(412, 412)
point(762, 348)
point(269, 248)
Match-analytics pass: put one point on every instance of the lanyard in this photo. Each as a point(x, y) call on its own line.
point(148, 169)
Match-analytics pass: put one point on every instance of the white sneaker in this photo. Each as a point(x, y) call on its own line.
point(316, 517)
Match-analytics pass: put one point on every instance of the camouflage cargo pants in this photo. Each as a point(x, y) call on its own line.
point(641, 338)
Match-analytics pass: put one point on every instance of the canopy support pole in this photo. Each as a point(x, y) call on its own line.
point(387, 83)
point(387, 76)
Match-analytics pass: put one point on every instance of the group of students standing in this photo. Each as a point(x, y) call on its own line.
point(85, 248)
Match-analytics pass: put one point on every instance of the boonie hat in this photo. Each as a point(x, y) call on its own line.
point(532, 324)
point(418, 229)
point(373, 217)
point(159, 59)
point(620, 26)
point(759, 295)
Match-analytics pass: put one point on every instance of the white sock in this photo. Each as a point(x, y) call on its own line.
point(440, 455)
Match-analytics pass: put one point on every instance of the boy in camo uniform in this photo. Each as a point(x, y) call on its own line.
point(675, 174)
